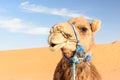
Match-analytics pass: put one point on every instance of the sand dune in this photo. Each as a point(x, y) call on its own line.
point(106, 57)
point(39, 63)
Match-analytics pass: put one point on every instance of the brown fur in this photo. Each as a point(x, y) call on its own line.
point(84, 71)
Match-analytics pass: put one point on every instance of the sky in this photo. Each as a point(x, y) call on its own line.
point(26, 23)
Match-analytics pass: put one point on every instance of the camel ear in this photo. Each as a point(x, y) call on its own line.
point(95, 26)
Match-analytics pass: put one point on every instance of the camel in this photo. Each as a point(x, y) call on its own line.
point(62, 36)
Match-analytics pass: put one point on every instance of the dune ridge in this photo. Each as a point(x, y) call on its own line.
point(39, 63)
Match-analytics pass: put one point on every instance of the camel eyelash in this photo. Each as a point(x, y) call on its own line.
point(83, 29)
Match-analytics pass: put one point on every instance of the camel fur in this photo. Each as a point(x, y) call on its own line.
point(62, 37)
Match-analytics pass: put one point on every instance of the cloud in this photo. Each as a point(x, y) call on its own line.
point(18, 25)
point(43, 9)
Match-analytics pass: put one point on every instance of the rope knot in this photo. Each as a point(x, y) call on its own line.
point(80, 49)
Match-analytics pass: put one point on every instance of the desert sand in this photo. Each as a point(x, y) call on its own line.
point(40, 63)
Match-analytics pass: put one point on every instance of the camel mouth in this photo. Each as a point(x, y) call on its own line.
point(56, 46)
point(53, 44)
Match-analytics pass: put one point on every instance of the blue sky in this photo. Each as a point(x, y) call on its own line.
point(26, 23)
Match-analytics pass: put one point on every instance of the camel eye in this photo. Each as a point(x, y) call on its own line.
point(83, 29)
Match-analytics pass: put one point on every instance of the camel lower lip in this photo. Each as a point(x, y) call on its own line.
point(55, 47)
point(52, 45)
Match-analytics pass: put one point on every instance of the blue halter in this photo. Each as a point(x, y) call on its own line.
point(79, 50)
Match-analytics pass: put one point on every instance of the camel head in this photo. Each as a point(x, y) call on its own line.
point(62, 35)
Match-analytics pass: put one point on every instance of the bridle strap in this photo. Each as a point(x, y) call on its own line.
point(79, 50)
point(74, 59)
point(76, 34)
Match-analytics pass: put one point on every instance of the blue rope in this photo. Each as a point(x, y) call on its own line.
point(79, 50)
point(76, 34)
point(75, 60)
point(73, 71)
